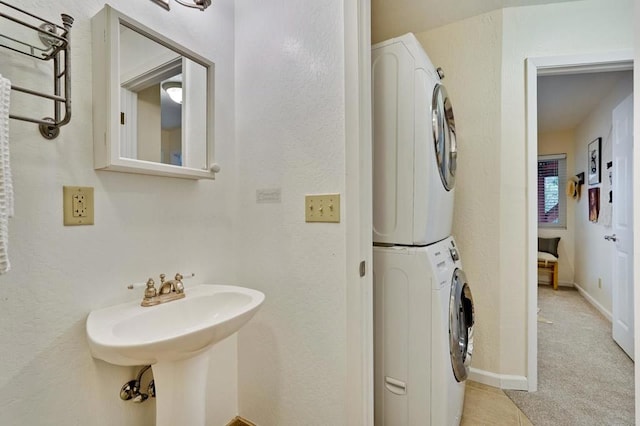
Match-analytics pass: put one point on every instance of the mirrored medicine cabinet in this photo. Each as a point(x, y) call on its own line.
point(153, 101)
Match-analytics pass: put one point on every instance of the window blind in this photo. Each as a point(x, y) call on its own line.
point(552, 179)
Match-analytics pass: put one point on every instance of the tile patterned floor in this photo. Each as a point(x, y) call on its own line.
point(485, 405)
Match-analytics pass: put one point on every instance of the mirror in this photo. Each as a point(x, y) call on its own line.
point(154, 102)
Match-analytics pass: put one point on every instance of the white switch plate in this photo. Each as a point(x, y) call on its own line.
point(322, 208)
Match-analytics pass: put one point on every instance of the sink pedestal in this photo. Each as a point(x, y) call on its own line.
point(181, 390)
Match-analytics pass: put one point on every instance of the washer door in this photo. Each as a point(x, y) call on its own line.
point(444, 136)
point(461, 319)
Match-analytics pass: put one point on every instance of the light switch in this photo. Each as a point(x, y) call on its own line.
point(322, 208)
point(78, 205)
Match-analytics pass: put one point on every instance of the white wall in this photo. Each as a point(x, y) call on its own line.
point(484, 60)
point(594, 255)
point(144, 226)
point(469, 52)
point(561, 142)
point(535, 31)
point(290, 120)
point(636, 201)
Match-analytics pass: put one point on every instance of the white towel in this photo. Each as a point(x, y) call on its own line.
point(6, 184)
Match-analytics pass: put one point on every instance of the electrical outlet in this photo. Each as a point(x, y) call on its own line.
point(79, 201)
point(599, 282)
point(322, 208)
point(77, 205)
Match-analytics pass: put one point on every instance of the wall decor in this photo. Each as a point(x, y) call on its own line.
point(573, 187)
point(609, 168)
point(594, 204)
point(593, 161)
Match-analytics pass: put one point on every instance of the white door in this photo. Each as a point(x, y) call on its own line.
point(622, 238)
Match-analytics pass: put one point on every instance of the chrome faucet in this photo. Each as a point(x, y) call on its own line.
point(169, 290)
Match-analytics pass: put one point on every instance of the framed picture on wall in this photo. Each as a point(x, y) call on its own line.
point(593, 161)
point(594, 204)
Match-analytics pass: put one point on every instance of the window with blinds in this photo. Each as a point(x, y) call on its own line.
point(552, 202)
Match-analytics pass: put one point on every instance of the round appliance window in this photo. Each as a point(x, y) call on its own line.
point(461, 320)
point(444, 136)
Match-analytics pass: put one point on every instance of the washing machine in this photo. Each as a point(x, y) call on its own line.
point(424, 317)
point(414, 146)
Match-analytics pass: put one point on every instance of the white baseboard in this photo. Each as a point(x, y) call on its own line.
point(502, 381)
point(594, 302)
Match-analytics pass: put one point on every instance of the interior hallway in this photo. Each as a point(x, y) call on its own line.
point(584, 377)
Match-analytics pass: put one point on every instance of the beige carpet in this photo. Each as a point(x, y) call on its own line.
point(584, 378)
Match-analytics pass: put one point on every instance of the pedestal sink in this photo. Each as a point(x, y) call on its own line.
point(174, 338)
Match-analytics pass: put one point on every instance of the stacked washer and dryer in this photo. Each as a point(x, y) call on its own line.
point(423, 309)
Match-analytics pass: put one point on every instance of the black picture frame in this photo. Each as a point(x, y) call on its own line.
point(594, 161)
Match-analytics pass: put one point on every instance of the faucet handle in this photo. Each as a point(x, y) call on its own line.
point(150, 291)
point(179, 286)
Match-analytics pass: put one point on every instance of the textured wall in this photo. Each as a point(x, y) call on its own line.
point(561, 142)
point(594, 255)
point(290, 116)
point(636, 198)
point(469, 52)
point(144, 225)
point(535, 31)
point(484, 58)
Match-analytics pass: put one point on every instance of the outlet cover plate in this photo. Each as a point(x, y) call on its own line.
point(322, 208)
point(77, 204)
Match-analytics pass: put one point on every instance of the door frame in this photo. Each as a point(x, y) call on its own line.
point(358, 213)
point(535, 67)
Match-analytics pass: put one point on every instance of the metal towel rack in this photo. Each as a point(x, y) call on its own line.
point(55, 40)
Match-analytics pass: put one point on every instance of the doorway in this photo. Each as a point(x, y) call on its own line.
point(536, 67)
point(575, 119)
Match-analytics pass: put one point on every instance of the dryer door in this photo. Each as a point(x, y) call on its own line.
point(461, 320)
point(444, 136)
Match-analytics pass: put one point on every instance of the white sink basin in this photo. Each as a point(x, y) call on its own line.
point(174, 337)
point(129, 334)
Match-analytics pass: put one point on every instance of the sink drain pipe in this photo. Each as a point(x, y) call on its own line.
point(131, 389)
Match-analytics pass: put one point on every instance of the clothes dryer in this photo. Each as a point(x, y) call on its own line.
point(414, 146)
point(423, 316)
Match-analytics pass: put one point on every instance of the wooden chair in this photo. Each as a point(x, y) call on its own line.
point(549, 263)
point(548, 257)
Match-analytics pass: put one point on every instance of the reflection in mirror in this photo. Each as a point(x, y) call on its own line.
point(159, 91)
point(171, 120)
